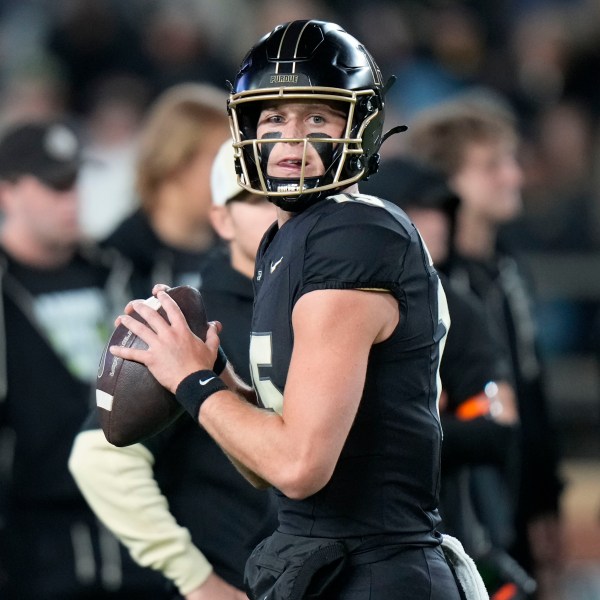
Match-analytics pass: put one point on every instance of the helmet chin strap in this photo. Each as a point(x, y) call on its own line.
point(294, 204)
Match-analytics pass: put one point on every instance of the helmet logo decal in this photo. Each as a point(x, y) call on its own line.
point(284, 78)
point(288, 187)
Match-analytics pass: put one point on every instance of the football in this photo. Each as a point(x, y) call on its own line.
point(132, 405)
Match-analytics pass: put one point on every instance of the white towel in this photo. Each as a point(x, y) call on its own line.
point(465, 569)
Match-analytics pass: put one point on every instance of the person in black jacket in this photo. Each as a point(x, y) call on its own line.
point(480, 462)
point(474, 143)
point(170, 235)
point(59, 297)
point(175, 500)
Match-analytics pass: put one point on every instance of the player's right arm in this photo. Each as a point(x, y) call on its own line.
point(119, 486)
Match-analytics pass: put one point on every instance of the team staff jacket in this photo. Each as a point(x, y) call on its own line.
point(473, 358)
point(53, 323)
point(387, 477)
point(53, 326)
point(508, 300)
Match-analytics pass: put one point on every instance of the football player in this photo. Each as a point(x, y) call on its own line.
point(348, 329)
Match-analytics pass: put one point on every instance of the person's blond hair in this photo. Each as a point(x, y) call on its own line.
point(176, 126)
point(439, 136)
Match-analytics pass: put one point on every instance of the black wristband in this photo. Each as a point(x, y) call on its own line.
point(220, 361)
point(196, 388)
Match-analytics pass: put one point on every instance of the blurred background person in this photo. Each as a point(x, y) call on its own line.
point(58, 301)
point(480, 462)
point(169, 236)
point(175, 500)
point(474, 142)
point(110, 129)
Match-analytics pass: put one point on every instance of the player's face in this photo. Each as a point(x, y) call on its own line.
point(489, 182)
point(291, 119)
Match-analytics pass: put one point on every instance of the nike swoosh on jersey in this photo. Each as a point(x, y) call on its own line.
point(274, 265)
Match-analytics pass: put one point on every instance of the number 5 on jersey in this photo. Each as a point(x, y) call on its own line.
point(261, 358)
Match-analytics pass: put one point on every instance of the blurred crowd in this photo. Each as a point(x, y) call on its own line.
point(103, 61)
point(140, 82)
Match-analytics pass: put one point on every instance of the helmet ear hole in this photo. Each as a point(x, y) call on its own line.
point(354, 164)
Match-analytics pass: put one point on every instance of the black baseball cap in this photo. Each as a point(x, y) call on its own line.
point(48, 150)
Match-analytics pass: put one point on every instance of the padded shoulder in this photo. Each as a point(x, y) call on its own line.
point(357, 242)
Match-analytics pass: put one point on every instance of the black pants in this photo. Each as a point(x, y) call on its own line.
point(410, 574)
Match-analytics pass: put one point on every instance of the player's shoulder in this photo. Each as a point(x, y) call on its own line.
point(366, 208)
point(353, 217)
point(356, 241)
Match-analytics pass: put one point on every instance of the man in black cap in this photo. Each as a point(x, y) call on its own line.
point(58, 300)
point(49, 152)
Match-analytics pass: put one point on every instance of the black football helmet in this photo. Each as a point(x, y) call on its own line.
point(308, 60)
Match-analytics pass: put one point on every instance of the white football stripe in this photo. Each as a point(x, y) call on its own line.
point(104, 400)
point(153, 302)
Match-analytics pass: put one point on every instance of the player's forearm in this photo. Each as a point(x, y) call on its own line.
point(219, 415)
point(119, 485)
point(262, 443)
point(250, 476)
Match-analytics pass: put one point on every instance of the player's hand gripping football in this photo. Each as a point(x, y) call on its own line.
point(173, 350)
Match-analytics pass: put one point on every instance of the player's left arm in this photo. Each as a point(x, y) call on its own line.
point(297, 450)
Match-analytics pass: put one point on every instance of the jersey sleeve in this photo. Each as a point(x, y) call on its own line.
point(355, 247)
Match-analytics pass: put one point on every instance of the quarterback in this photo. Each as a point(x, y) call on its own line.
point(348, 330)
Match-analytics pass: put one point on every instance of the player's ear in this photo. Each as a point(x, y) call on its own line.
point(220, 219)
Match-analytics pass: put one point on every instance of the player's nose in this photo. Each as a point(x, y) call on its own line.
point(294, 129)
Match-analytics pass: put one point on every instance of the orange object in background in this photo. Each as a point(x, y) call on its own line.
point(474, 407)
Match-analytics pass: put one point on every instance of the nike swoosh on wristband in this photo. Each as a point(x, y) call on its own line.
point(205, 381)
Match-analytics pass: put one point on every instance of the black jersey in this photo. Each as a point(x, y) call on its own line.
point(387, 477)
